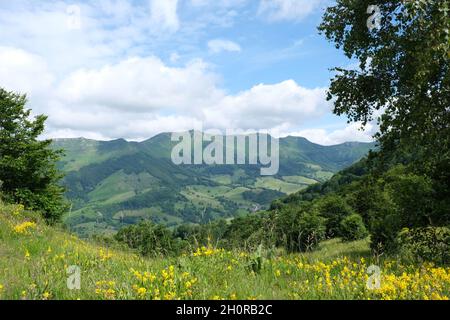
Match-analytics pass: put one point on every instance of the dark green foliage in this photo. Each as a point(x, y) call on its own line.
point(413, 197)
point(404, 72)
point(202, 235)
point(403, 200)
point(336, 183)
point(262, 197)
point(334, 209)
point(425, 244)
point(365, 197)
point(386, 203)
point(352, 228)
point(249, 232)
point(28, 172)
point(301, 230)
point(149, 239)
point(294, 230)
point(404, 69)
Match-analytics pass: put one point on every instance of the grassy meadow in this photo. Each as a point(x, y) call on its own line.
point(34, 259)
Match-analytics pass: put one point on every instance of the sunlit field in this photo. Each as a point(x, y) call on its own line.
point(35, 260)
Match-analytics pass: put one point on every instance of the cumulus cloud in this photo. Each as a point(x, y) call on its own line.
point(164, 13)
point(142, 85)
point(108, 30)
point(141, 96)
point(99, 83)
point(266, 106)
point(23, 71)
point(219, 45)
point(351, 133)
point(291, 10)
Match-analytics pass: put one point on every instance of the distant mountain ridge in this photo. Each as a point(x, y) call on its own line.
point(115, 183)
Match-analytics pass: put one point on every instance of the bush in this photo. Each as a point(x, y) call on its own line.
point(352, 228)
point(384, 228)
point(430, 244)
point(247, 232)
point(149, 239)
point(413, 196)
point(405, 200)
point(333, 208)
point(300, 229)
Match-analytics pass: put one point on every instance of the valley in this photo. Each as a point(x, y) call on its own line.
point(112, 184)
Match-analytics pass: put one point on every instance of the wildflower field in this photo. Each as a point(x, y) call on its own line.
point(36, 261)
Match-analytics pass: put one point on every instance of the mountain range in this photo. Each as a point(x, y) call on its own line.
point(115, 183)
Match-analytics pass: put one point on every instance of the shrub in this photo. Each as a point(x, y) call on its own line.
point(149, 239)
point(333, 208)
point(413, 196)
point(300, 229)
point(352, 228)
point(430, 244)
point(405, 200)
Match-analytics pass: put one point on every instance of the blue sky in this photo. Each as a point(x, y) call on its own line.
point(131, 69)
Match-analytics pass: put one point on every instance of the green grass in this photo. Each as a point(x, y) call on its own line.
point(224, 179)
point(198, 196)
point(120, 186)
point(236, 195)
point(278, 185)
point(323, 175)
point(299, 180)
point(335, 248)
point(34, 265)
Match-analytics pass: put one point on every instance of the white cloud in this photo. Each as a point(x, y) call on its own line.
point(110, 30)
point(164, 13)
point(100, 82)
point(291, 10)
point(139, 97)
point(266, 106)
point(219, 45)
point(142, 85)
point(23, 71)
point(131, 127)
point(351, 133)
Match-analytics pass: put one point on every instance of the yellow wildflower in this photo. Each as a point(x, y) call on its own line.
point(24, 228)
point(142, 292)
point(105, 255)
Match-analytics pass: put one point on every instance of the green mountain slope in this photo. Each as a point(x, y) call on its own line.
point(115, 183)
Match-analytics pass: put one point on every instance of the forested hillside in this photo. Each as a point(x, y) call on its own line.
point(115, 183)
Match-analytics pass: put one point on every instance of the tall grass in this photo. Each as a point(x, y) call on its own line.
point(34, 260)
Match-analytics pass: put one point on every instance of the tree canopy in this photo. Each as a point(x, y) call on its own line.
point(28, 172)
point(403, 77)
